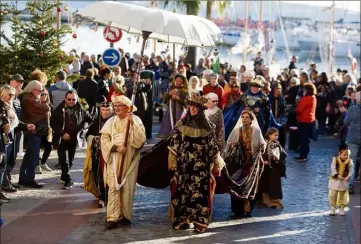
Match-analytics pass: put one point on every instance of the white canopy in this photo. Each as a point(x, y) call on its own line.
point(164, 25)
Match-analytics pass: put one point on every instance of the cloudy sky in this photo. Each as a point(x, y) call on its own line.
point(352, 5)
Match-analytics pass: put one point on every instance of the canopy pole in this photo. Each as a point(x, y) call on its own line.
point(145, 35)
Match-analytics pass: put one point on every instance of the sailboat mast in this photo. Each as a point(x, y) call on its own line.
point(261, 12)
point(283, 30)
point(244, 54)
point(331, 60)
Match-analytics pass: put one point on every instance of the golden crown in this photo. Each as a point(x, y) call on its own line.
point(198, 99)
point(258, 81)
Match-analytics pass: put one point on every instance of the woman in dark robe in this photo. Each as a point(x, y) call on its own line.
point(243, 156)
point(141, 98)
point(194, 159)
point(278, 106)
point(94, 163)
point(176, 99)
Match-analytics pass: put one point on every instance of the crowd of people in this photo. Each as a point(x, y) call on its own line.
point(223, 130)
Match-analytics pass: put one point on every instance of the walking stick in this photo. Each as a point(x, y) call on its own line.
point(120, 169)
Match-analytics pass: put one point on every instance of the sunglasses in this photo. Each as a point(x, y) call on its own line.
point(71, 99)
point(44, 94)
point(105, 105)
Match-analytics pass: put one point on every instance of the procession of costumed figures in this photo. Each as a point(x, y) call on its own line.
point(196, 157)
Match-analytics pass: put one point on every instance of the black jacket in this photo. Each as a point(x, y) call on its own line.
point(85, 66)
point(57, 121)
point(87, 89)
point(103, 90)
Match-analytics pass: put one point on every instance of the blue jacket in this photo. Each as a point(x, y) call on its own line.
point(57, 92)
point(353, 122)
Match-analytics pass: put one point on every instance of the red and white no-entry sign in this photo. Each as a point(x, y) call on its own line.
point(112, 34)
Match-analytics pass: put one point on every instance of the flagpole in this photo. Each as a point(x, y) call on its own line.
point(332, 38)
point(245, 33)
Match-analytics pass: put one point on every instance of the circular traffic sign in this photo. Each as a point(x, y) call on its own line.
point(112, 34)
point(111, 57)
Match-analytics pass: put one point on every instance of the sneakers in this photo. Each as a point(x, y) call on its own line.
point(46, 168)
point(3, 198)
point(342, 211)
point(67, 185)
point(38, 170)
point(301, 159)
point(333, 211)
point(9, 188)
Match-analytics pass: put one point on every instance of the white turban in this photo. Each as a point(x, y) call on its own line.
point(123, 100)
point(212, 96)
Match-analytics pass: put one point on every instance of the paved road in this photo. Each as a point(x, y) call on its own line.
point(52, 215)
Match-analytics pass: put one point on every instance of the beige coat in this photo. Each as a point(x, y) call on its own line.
point(113, 133)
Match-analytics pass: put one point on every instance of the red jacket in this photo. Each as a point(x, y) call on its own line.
point(306, 109)
point(217, 90)
point(230, 97)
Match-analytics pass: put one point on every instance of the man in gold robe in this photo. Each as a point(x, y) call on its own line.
point(113, 133)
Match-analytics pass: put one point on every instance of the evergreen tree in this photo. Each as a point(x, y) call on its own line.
point(35, 44)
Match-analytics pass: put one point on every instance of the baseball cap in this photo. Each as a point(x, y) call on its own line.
point(17, 77)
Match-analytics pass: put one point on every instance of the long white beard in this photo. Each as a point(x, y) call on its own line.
point(210, 111)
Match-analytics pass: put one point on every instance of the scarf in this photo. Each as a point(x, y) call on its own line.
point(13, 118)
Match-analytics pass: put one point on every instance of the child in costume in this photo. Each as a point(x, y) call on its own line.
point(274, 158)
point(341, 172)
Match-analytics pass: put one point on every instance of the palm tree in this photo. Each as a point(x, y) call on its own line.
point(221, 5)
point(192, 8)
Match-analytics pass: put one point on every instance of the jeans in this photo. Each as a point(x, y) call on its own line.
point(31, 158)
point(355, 151)
point(8, 165)
point(305, 130)
point(47, 149)
point(64, 147)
